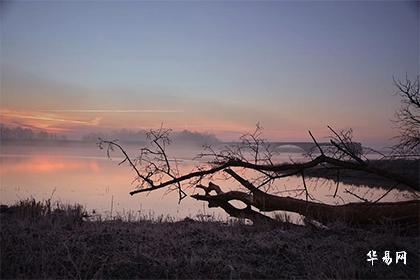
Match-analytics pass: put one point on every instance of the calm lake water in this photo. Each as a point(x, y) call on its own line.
point(83, 174)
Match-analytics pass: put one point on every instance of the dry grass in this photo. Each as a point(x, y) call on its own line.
point(39, 240)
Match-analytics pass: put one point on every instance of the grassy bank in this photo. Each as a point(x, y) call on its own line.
point(40, 240)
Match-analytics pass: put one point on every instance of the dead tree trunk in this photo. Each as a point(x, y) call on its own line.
point(352, 213)
point(159, 172)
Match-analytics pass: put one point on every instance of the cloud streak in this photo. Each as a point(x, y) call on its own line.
point(49, 118)
point(112, 111)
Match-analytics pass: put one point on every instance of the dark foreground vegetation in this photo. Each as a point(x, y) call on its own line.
point(42, 241)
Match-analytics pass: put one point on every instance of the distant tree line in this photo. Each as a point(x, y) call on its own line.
point(190, 137)
point(8, 133)
point(124, 135)
point(140, 136)
point(19, 133)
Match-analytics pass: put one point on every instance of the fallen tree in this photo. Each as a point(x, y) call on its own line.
point(364, 213)
point(155, 170)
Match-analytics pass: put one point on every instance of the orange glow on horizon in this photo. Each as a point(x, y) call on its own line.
point(75, 124)
point(49, 122)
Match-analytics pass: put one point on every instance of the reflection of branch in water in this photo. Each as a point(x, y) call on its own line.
point(355, 195)
point(253, 157)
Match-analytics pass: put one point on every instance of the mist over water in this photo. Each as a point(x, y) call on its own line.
point(82, 173)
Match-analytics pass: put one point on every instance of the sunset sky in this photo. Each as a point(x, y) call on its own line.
point(220, 67)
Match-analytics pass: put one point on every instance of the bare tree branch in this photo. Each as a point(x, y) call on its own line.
point(156, 170)
point(407, 118)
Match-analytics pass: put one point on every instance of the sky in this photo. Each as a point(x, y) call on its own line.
point(73, 67)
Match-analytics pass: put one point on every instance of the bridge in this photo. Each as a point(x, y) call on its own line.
point(305, 146)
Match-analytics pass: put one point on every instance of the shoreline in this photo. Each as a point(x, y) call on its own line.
point(405, 167)
point(40, 242)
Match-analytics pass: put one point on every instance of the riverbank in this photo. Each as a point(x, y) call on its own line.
point(38, 241)
point(403, 167)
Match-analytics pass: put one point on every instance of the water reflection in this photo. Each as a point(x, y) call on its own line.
point(44, 164)
point(82, 175)
point(85, 175)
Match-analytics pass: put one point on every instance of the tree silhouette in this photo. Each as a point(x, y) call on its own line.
point(407, 118)
point(252, 164)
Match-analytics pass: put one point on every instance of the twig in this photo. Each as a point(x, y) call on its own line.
point(304, 185)
point(385, 194)
point(316, 143)
point(355, 195)
point(338, 182)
